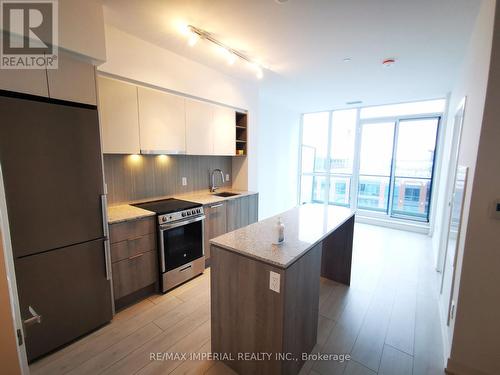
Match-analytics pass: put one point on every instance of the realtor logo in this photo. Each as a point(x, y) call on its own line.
point(29, 34)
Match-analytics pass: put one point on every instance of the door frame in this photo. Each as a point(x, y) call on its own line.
point(450, 184)
point(10, 270)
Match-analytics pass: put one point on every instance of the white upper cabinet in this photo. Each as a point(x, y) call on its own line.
point(224, 128)
point(119, 117)
point(137, 119)
point(162, 121)
point(199, 128)
point(73, 80)
point(27, 81)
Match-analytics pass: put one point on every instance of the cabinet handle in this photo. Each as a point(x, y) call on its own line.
point(134, 239)
point(135, 256)
point(217, 205)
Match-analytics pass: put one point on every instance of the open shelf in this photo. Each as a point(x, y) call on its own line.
point(241, 134)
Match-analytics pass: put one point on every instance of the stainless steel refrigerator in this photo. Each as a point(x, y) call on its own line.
point(51, 160)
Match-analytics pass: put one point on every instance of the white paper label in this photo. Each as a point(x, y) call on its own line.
point(274, 281)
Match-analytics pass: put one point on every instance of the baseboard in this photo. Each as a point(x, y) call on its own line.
point(394, 224)
point(456, 368)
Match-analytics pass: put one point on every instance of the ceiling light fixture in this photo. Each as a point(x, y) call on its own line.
point(231, 54)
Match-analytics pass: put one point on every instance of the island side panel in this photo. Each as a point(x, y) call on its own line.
point(246, 316)
point(337, 253)
point(301, 291)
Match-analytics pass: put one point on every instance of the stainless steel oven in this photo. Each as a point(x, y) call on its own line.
point(180, 240)
point(181, 250)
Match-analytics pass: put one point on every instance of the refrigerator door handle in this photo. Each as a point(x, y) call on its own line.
point(107, 258)
point(104, 208)
point(35, 317)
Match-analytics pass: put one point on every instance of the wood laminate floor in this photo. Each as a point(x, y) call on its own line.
point(388, 321)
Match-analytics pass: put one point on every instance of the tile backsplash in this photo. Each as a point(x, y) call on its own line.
point(134, 177)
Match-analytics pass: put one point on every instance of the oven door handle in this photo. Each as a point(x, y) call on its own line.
point(164, 227)
point(162, 252)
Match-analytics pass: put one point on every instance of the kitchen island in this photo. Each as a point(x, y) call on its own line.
point(265, 297)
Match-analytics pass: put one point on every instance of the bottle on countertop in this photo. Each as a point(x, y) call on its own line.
point(280, 231)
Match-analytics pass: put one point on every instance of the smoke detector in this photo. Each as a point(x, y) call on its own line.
point(388, 62)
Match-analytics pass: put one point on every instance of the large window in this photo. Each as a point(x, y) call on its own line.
point(376, 159)
point(414, 163)
point(375, 165)
point(327, 158)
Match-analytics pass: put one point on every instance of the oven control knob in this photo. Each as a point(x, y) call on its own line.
point(183, 214)
point(163, 219)
point(193, 212)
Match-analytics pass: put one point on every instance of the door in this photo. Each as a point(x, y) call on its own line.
point(215, 223)
point(199, 128)
point(162, 122)
point(73, 80)
point(68, 288)
point(182, 242)
point(377, 140)
point(52, 168)
point(413, 168)
point(224, 127)
point(119, 117)
point(238, 212)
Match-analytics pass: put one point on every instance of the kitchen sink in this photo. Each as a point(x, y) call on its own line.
point(225, 194)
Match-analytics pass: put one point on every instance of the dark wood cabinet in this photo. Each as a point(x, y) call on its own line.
point(134, 273)
point(229, 215)
point(242, 212)
point(215, 223)
point(134, 258)
point(237, 213)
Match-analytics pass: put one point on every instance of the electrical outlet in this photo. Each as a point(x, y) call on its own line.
point(496, 209)
point(227, 176)
point(184, 181)
point(274, 281)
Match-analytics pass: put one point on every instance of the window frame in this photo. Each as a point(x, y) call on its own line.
point(354, 181)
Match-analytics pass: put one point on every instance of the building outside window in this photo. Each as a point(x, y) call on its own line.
point(376, 159)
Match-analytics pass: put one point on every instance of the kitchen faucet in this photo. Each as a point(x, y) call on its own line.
point(213, 188)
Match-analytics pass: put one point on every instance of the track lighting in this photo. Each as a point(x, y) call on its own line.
point(231, 55)
point(193, 39)
point(231, 58)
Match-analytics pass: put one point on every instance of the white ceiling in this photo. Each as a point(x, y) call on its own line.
point(303, 43)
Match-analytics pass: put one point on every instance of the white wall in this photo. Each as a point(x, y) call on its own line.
point(476, 337)
point(278, 156)
point(138, 60)
point(474, 334)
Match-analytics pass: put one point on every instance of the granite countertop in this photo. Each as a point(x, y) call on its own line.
point(305, 226)
point(125, 212)
point(206, 197)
